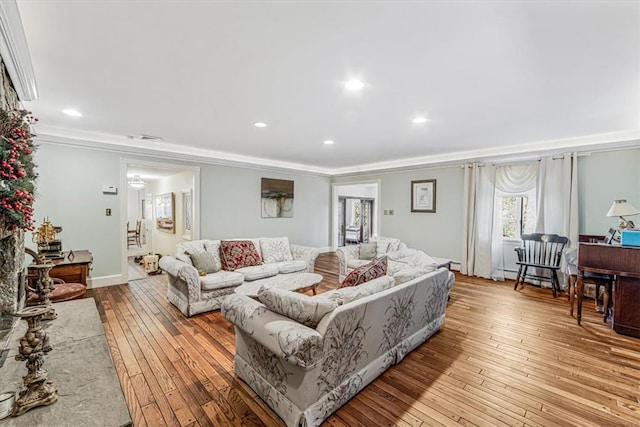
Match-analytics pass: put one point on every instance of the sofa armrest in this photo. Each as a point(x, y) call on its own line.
point(306, 253)
point(284, 337)
point(182, 275)
point(344, 254)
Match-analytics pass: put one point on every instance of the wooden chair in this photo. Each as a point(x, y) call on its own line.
point(133, 236)
point(540, 252)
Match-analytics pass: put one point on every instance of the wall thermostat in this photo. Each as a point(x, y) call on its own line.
point(109, 189)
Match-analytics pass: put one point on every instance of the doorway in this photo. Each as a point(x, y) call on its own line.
point(355, 212)
point(145, 182)
point(355, 220)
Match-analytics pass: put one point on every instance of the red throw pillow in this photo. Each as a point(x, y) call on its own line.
point(372, 270)
point(235, 254)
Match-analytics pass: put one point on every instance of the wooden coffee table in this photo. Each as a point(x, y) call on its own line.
point(300, 282)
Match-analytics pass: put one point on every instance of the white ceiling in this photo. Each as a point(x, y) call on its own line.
point(492, 77)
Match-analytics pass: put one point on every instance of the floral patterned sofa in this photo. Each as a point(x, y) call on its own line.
point(306, 372)
point(348, 256)
point(192, 293)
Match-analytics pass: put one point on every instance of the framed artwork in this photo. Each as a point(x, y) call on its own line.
point(277, 198)
point(165, 212)
point(187, 213)
point(423, 196)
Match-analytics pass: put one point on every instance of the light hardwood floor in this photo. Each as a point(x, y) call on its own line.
point(501, 358)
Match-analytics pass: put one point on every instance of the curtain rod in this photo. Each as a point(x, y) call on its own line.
point(526, 160)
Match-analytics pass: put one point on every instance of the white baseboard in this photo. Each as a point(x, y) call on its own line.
point(100, 282)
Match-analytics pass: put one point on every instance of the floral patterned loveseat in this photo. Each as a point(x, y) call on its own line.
point(304, 373)
point(193, 294)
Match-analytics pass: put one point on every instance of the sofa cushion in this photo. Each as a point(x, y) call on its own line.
point(294, 266)
point(382, 248)
point(423, 260)
point(296, 306)
point(221, 279)
point(409, 273)
point(193, 247)
point(373, 270)
point(213, 247)
point(204, 261)
point(368, 250)
point(394, 244)
point(352, 293)
point(236, 254)
point(355, 263)
point(256, 272)
point(275, 249)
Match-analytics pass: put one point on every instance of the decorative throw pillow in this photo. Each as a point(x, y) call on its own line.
point(367, 250)
point(203, 261)
point(296, 306)
point(236, 254)
point(374, 269)
point(382, 248)
point(275, 249)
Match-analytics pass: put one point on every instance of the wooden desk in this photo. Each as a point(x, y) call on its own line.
point(73, 271)
point(624, 263)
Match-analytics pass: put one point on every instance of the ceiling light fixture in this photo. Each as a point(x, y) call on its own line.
point(327, 142)
point(260, 124)
point(136, 182)
point(71, 112)
point(354, 85)
point(419, 120)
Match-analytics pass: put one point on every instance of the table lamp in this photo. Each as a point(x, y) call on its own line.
point(622, 208)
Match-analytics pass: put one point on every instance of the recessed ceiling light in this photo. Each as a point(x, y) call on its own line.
point(419, 120)
point(71, 112)
point(327, 142)
point(260, 124)
point(354, 85)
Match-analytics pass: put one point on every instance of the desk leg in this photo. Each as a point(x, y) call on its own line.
point(572, 292)
point(580, 292)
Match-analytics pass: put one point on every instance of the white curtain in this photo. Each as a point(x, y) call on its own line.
point(557, 195)
point(478, 220)
point(510, 180)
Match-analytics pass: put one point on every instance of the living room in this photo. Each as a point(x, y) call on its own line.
point(567, 86)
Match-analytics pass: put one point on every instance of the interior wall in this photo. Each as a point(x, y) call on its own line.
point(231, 206)
point(602, 178)
point(70, 193)
point(438, 234)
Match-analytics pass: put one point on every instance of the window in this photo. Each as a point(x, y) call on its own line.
point(517, 213)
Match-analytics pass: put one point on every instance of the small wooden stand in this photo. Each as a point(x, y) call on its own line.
point(40, 390)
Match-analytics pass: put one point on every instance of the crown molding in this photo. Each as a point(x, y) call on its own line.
point(164, 150)
point(15, 51)
point(597, 142)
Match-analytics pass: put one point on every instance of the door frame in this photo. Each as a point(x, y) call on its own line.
point(335, 193)
point(124, 166)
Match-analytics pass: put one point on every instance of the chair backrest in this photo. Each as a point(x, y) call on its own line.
point(542, 249)
point(138, 226)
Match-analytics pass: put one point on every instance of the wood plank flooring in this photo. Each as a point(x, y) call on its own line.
point(502, 358)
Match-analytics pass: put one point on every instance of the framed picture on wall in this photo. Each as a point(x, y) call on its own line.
point(423, 196)
point(165, 212)
point(187, 214)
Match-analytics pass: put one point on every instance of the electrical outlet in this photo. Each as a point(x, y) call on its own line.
point(386, 212)
point(390, 211)
point(108, 211)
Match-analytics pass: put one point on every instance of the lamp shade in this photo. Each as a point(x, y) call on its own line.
point(622, 208)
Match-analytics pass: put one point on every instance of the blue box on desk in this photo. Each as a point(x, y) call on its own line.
point(630, 238)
